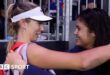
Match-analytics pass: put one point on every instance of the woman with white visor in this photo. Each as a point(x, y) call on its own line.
point(26, 23)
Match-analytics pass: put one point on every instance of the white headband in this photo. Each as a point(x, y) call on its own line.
point(35, 14)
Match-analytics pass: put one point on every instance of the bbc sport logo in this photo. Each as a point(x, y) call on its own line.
point(4, 66)
point(7, 66)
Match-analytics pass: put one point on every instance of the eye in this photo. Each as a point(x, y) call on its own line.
point(40, 22)
point(77, 27)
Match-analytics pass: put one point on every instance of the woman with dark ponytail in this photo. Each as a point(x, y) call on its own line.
point(26, 21)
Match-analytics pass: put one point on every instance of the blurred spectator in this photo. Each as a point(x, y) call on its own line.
point(90, 4)
point(2, 24)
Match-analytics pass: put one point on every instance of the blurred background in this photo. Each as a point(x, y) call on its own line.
point(59, 31)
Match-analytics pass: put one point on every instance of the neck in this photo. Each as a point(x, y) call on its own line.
point(22, 37)
point(89, 46)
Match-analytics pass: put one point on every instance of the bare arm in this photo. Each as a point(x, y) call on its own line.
point(45, 58)
point(95, 56)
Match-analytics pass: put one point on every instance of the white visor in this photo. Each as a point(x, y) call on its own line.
point(35, 14)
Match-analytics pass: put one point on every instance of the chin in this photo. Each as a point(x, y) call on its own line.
point(34, 39)
point(78, 43)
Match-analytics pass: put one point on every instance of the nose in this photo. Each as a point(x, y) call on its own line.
point(42, 28)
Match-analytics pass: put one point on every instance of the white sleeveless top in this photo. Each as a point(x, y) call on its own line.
point(24, 55)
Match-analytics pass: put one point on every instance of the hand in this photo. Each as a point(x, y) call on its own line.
point(14, 58)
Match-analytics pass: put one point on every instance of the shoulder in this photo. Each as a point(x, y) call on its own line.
point(34, 46)
point(36, 49)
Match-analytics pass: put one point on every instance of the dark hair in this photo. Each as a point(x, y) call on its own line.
point(13, 10)
point(97, 21)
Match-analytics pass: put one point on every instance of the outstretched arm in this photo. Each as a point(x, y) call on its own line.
point(95, 57)
point(45, 58)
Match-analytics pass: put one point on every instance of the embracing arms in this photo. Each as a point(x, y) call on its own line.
point(45, 58)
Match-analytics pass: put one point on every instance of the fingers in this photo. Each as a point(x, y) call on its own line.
point(8, 58)
point(11, 57)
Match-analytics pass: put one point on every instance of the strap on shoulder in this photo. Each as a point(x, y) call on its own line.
point(24, 53)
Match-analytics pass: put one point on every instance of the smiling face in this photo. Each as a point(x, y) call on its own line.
point(84, 37)
point(34, 28)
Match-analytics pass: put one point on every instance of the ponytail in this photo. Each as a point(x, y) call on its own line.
point(11, 27)
point(15, 9)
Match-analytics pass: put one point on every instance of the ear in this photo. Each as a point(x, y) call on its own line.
point(22, 23)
